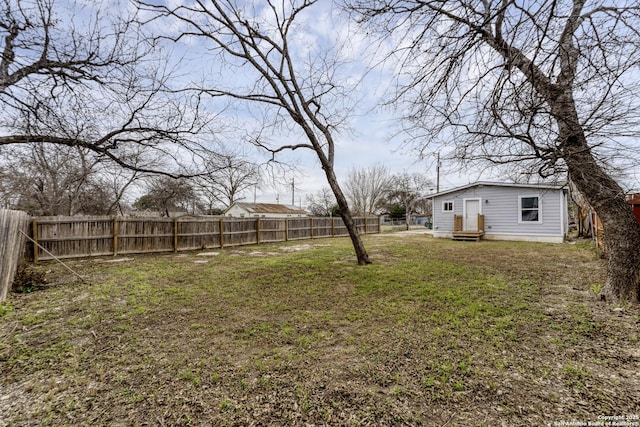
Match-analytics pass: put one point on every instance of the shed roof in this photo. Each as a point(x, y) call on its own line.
point(273, 208)
point(540, 186)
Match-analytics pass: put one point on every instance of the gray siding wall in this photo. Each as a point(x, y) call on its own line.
point(500, 207)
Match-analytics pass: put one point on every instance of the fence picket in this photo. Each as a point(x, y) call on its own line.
point(69, 237)
point(12, 225)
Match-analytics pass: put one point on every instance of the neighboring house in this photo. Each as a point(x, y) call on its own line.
point(422, 219)
point(264, 210)
point(502, 211)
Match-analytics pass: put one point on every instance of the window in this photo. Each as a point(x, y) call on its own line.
point(447, 206)
point(530, 209)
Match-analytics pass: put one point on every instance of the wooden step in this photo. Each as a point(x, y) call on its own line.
point(467, 236)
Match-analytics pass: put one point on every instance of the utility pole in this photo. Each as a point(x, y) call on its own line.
point(293, 192)
point(438, 173)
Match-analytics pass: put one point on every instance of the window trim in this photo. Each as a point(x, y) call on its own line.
point(445, 202)
point(520, 208)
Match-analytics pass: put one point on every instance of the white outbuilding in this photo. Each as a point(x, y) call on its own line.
point(502, 211)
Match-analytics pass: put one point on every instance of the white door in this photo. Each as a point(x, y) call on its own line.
point(471, 211)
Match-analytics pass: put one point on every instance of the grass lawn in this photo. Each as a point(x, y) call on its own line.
point(434, 333)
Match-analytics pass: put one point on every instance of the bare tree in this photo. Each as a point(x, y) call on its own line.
point(48, 180)
point(296, 86)
point(365, 188)
point(8, 196)
point(166, 194)
point(550, 84)
point(80, 75)
point(322, 202)
point(227, 175)
point(116, 182)
point(409, 191)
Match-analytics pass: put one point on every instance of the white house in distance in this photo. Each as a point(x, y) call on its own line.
point(502, 211)
point(264, 210)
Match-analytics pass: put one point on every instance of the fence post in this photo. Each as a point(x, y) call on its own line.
point(221, 233)
point(34, 226)
point(333, 226)
point(286, 229)
point(175, 234)
point(12, 238)
point(311, 225)
point(258, 230)
point(115, 235)
point(366, 219)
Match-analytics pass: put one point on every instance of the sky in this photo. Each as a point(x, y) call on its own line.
point(368, 135)
point(373, 137)
point(369, 131)
point(358, 152)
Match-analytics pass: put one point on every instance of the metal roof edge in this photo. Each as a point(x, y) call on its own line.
point(547, 186)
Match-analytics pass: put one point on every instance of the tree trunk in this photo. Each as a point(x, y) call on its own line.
point(345, 213)
point(621, 230)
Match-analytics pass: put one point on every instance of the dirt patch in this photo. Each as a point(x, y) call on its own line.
point(115, 260)
point(297, 248)
point(208, 254)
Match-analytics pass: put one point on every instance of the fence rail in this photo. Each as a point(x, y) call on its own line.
point(74, 237)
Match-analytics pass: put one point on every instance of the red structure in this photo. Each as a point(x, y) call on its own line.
point(634, 200)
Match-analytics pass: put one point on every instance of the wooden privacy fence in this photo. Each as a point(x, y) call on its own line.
point(12, 226)
point(71, 237)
